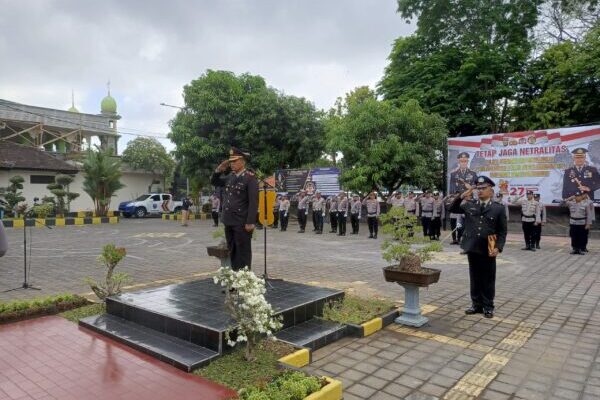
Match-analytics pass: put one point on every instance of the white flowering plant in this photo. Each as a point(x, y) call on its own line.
point(245, 301)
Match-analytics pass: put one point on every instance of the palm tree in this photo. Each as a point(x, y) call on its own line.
point(102, 178)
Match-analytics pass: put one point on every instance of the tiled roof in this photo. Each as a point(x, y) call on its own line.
point(18, 156)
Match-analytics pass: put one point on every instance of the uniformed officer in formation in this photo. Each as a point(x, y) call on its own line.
point(276, 206)
point(580, 177)
point(426, 208)
point(537, 229)
point(355, 214)
point(303, 200)
point(240, 206)
point(410, 204)
point(215, 204)
point(454, 218)
point(483, 218)
point(284, 208)
point(500, 200)
point(373, 210)
point(436, 219)
point(332, 203)
point(396, 200)
point(318, 208)
point(580, 221)
point(530, 218)
point(342, 215)
point(462, 174)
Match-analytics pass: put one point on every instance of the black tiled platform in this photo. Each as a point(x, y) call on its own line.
point(194, 313)
point(179, 353)
point(312, 334)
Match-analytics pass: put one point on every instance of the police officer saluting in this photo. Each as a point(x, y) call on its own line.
point(342, 216)
point(240, 206)
point(333, 212)
point(284, 208)
point(580, 221)
point(483, 218)
point(303, 200)
point(537, 229)
point(318, 206)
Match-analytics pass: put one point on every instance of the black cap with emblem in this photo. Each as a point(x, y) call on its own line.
point(236, 154)
point(484, 181)
point(464, 154)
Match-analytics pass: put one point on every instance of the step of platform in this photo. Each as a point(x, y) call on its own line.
point(313, 334)
point(177, 352)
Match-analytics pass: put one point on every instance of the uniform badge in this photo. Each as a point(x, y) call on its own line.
point(587, 174)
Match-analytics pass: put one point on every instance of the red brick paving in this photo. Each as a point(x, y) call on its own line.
point(52, 358)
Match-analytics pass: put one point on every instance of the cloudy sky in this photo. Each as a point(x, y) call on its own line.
point(319, 49)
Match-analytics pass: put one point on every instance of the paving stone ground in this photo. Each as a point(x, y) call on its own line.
point(542, 344)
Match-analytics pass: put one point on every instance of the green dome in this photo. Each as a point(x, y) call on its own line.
point(108, 105)
point(73, 109)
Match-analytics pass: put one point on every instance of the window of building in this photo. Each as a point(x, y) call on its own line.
point(41, 179)
point(111, 124)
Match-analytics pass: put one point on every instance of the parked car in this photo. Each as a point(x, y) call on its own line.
point(153, 203)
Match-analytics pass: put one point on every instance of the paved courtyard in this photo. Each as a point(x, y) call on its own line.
point(542, 344)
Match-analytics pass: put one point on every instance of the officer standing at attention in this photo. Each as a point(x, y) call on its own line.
point(426, 207)
point(302, 210)
point(318, 206)
point(342, 213)
point(355, 211)
point(333, 213)
point(580, 177)
point(530, 218)
point(276, 211)
point(537, 229)
point(410, 204)
point(580, 221)
point(215, 204)
point(372, 205)
point(436, 220)
point(483, 218)
point(284, 208)
point(240, 206)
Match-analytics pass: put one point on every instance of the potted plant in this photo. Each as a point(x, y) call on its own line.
point(220, 251)
point(408, 252)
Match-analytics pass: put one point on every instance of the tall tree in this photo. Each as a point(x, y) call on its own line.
point(223, 109)
point(102, 178)
point(385, 146)
point(148, 154)
point(463, 59)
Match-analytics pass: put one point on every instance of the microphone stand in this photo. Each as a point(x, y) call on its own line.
point(26, 284)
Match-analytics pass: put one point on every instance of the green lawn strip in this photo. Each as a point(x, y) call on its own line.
point(234, 371)
point(22, 309)
point(86, 311)
point(356, 310)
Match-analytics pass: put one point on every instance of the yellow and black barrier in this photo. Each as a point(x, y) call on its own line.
point(177, 217)
point(40, 222)
point(370, 327)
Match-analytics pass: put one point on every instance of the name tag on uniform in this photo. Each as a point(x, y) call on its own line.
point(587, 174)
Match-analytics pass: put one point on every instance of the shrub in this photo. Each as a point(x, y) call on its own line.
point(110, 257)
point(290, 385)
point(20, 309)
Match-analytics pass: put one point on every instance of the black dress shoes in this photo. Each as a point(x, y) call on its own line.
point(473, 310)
point(488, 313)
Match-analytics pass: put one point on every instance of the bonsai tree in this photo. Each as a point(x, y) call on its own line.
point(110, 257)
point(12, 193)
point(60, 190)
point(406, 249)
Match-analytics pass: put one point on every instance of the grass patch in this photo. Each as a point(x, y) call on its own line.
point(356, 310)
point(234, 371)
point(22, 309)
point(86, 311)
point(289, 385)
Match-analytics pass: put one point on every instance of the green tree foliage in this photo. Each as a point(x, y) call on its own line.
point(385, 146)
point(60, 189)
point(223, 109)
point(13, 194)
point(562, 86)
point(102, 178)
point(148, 154)
point(463, 59)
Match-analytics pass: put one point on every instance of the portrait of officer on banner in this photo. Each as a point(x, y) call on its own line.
point(581, 177)
point(462, 174)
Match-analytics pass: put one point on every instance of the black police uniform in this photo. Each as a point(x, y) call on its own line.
point(480, 222)
point(459, 177)
point(584, 176)
point(240, 207)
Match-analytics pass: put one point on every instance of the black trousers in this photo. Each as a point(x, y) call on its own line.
point(354, 222)
point(435, 227)
point(342, 219)
point(318, 220)
point(333, 220)
point(579, 236)
point(482, 274)
point(373, 225)
point(314, 220)
point(456, 233)
point(239, 243)
point(284, 220)
point(528, 228)
point(302, 219)
point(215, 217)
point(537, 234)
point(275, 218)
point(426, 222)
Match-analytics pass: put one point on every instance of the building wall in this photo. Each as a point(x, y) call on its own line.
point(136, 184)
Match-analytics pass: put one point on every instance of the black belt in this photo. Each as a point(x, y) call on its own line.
point(527, 216)
point(577, 219)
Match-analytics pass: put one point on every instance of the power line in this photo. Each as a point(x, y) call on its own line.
point(82, 125)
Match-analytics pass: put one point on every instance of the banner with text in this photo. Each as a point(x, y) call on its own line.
point(291, 181)
point(556, 163)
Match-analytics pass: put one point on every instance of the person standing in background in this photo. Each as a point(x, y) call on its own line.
point(580, 221)
point(355, 211)
point(215, 205)
point(537, 229)
point(333, 213)
point(186, 203)
point(3, 240)
point(302, 210)
point(396, 200)
point(436, 220)
point(318, 206)
point(530, 217)
point(372, 205)
point(426, 207)
point(276, 212)
point(284, 208)
point(410, 204)
point(342, 213)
